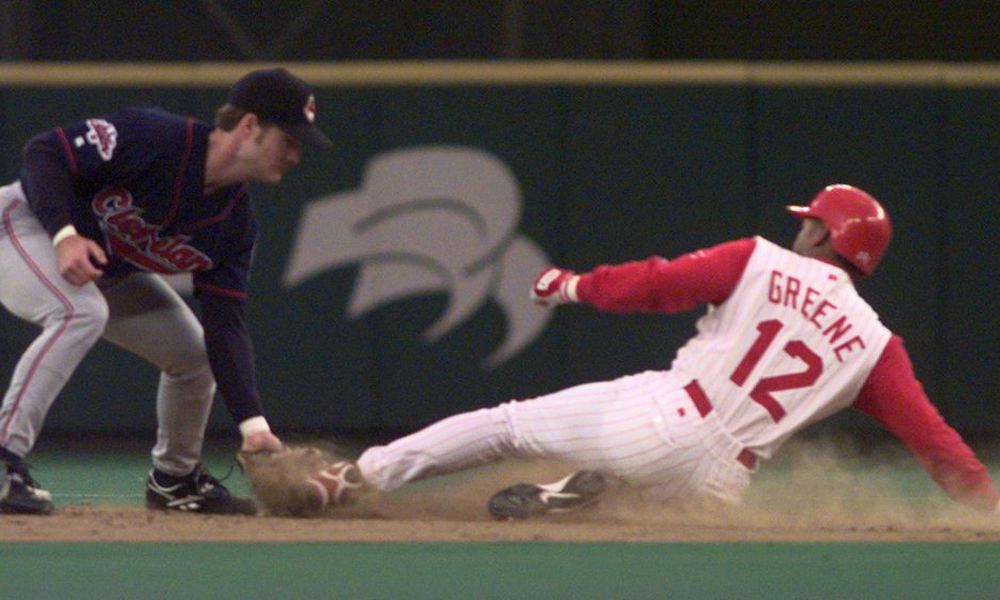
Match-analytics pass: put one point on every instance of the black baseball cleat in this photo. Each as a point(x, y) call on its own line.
point(19, 493)
point(197, 492)
point(531, 500)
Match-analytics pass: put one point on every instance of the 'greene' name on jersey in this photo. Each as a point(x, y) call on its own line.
point(786, 290)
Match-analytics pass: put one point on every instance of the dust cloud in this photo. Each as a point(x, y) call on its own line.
point(817, 488)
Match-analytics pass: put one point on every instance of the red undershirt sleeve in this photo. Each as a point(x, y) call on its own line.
point(668, 286)
point(893, 396)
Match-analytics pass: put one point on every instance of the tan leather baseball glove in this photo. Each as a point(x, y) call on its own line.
point(276, 478)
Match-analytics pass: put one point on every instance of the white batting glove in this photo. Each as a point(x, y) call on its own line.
point(555, 286)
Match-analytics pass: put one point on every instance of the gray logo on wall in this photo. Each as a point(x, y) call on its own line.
point(429, 219)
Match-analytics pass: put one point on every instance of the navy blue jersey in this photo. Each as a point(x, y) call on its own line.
point(137, 188)
point(134, 182)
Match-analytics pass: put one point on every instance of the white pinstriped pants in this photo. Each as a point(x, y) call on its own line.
point(641, 428)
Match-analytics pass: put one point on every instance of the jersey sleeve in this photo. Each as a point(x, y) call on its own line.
point(222, 293)
point(893, 396)
point(88, 155)
point(668, 286)
point(47, 180)
point(230, 353)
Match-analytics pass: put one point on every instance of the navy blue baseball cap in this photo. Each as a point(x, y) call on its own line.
point(278, 97)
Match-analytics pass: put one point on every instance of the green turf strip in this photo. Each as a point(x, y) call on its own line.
point(507, 570)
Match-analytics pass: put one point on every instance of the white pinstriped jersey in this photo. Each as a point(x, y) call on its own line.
point(791, 345)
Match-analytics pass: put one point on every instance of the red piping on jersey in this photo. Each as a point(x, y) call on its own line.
point(68, 148)
point(221, 291)
point(8, 226)
point(239, 195)
point(178, 183)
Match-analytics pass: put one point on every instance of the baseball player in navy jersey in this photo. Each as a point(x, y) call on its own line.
point(786, 341)
point(103, 207)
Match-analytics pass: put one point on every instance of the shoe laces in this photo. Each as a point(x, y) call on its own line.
point(208, 485)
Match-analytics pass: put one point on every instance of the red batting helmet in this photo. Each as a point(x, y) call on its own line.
point(859, 227)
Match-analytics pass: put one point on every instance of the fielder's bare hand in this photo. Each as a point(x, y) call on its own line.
point(555, 286)
point(79, 259)
point(262, 441)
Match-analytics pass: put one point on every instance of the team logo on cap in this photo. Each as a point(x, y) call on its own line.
point(309, 110)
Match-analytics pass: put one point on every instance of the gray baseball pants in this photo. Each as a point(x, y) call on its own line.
point(139, 312)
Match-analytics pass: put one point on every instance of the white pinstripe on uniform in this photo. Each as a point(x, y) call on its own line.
point(645, 428)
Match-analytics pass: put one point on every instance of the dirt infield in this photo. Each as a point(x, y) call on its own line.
point(811, 495)
point(129, 524)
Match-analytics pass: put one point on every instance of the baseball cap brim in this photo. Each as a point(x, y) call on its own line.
point(307, 133)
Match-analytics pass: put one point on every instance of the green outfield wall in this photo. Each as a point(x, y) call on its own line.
point(391, 280)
